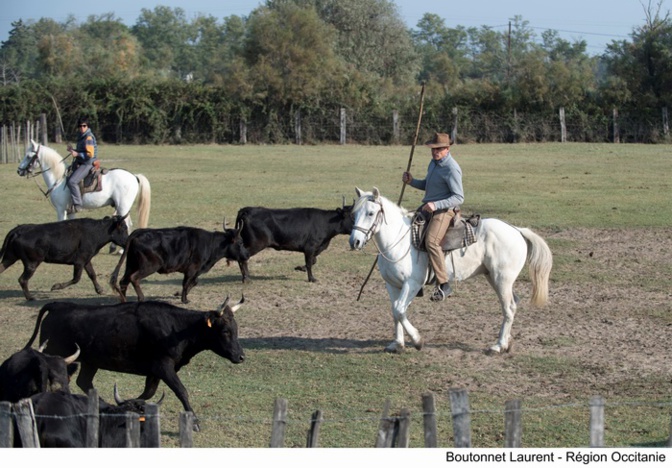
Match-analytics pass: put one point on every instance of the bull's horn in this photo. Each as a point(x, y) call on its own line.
point(224, 223)
point(237, 306)
point(343, 205)
point(43, 346)
point(117, 398)
point(163, 395)
point(73, 357)
point(220, 311)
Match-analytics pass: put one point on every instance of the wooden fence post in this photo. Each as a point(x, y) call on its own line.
point(92, 419)
point(6, 426)
point(343, 122)
point(563, 126)
point(385, 429)
point(297, 127)
point(186, 429)
point(151, 436)
point(395, 127)
point(132, 430)
point(597, 421)
point(513, 428)
point(25, 422)
point(459, 406)
point(404, 422)
point(669, 440)
point(279, 423)
point(243, 131)
point(617, 138)
point(453, 133)
point(666, 123)
point(429, 420)
point(314, 431)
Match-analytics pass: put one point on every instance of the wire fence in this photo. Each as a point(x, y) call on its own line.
point(393, 429)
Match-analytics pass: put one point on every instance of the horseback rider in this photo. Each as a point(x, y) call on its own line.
point(443, 196)
point(84, 155)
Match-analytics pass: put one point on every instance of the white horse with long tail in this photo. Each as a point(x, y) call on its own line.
point(120, 188)
point(500, 253)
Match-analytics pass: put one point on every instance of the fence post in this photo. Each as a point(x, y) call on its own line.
point(6, 426)
point(513, 428)
point(429, 420)
point(563, 126)
point(243, 131)
point(669, 440)
point(92, 419)
point(453, 133)
point(297, 127)
point(385, 429)
point(395, 127)
point(459, 406)
point(151, 436)
point(666, 123)
point(617, 138)
point(597, 421)
point(279, 423)
point(314, 431)
point(132, 430)
point(25, 422)
point(404, 422)
point(186, 429)
point(343, 120)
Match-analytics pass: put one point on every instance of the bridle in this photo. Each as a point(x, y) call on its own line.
point(368, 234)
point(31, 175)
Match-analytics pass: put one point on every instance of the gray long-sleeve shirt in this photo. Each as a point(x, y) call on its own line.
point(443, 184)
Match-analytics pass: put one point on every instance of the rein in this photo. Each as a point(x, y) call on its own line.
point(33, 175)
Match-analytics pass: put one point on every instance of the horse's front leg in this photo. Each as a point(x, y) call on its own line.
point(401, 299)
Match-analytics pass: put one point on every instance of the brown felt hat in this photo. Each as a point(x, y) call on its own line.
point(440, 140)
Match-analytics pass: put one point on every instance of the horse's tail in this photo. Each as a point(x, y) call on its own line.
point(540, 259)
point(144, 200)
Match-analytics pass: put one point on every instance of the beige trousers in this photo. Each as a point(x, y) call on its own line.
point(435, 232)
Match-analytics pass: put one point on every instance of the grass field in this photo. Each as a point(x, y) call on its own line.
point(603, 209)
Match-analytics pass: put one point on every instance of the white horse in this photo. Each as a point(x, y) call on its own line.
point(500, 253)
point(120, 188)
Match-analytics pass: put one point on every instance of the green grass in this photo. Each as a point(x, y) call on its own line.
point(551, 188)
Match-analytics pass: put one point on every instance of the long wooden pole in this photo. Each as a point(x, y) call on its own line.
point(403, 186)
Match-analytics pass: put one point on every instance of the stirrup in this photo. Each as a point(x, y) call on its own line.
point(440, 293)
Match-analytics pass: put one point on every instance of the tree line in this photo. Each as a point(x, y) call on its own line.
point(171, 79)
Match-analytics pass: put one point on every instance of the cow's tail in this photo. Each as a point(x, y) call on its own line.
point(144, 200)
point(40, 316)
point(115, 273)
point(8, 238)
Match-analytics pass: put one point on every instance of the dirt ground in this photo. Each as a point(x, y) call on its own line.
point(608, 323)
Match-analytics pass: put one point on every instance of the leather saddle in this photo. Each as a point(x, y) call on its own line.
point(460, 233)
point(93, 181)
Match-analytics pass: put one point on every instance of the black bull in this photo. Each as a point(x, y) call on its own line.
point(152, 338)
point(30, 371)
point(307, 230)
point(71, 242)
point(188, 250)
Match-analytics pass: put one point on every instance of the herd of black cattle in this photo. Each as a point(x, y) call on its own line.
point(150, 338)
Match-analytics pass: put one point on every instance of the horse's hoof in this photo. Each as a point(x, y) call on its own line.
point(395, 348)
point(420, 344)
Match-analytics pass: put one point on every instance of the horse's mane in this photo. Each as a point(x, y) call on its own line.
point(54, 160)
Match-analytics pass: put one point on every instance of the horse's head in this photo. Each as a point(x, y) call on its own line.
point(367, 213)
point(31, 160)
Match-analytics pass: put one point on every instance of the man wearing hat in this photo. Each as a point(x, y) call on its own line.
point(443, 195)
